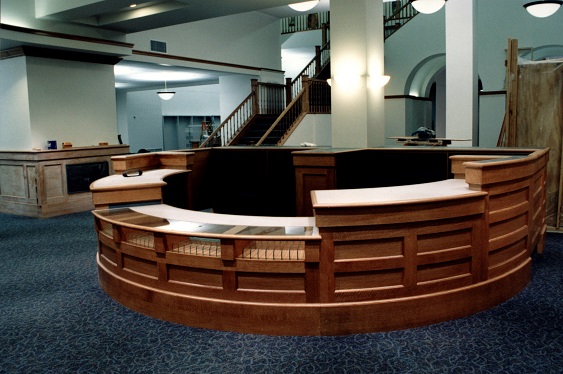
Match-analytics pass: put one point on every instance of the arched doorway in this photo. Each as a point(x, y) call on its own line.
point(427, 84)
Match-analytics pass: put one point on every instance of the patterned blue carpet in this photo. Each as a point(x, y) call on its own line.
point(55, 319)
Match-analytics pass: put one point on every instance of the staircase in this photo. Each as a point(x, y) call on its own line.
point(271, 112)
point(395, 15)
point(256, 128)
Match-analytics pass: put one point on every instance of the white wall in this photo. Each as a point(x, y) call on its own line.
point(298, 50)
point(145, 111)
point(121, 103)
point(232, 39)
point(395, 110)
point(491, 113)
point(419, 39)
point(233, 89)
point(497, 21)
point(46, 99)
point(191, 101)
point(22, 13)
point(315, 128)
point(71, 102)
point(15, 123)
point(144, 120)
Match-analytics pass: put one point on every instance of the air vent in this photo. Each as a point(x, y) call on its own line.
point(157, 46)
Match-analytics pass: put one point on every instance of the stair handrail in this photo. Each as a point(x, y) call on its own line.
point(283, 115)
point(298, 108)
point(314, 67)
point(231, 126)
point(304, 22)
point(241, 116)
point(264, 98)
point(401, 16)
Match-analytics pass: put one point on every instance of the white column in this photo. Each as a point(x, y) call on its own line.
point(356, 57)
point(461, 72)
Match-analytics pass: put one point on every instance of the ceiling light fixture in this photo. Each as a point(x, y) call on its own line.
point(132, 5)
point(305, 6)
point(543, 9)
point(166, 95)
point(428, 6)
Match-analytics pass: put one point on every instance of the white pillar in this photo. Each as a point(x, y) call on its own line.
point(461, 72)
point(356, 58)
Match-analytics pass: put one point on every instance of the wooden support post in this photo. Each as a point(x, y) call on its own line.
point(288, 94)
point(511, 92)
point(305, 103)
point(255, 107)
point(324, 36)
point(317, 60)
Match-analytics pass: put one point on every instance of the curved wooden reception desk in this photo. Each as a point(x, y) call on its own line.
point(371, 259)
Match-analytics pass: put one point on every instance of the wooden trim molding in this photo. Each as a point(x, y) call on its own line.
point(391, 97)
point(59, 54)
point(481, 93)
point(59, 35)
point(492, 93)
point(206, 62)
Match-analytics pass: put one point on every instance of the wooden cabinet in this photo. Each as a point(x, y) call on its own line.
point(51, 183)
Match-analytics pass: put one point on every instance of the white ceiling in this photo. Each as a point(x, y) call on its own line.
point(132, 75)
point(150, 14)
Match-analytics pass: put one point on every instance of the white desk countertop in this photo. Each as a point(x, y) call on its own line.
point(445, 189)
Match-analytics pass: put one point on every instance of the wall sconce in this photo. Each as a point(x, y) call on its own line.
point(166, 95)
point(543, 9)
point(329, 81)
point(305, 6)
point(379, 81)
point(428, 6)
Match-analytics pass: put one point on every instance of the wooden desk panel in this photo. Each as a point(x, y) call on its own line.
point(35, 184)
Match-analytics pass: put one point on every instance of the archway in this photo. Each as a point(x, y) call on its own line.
point(427, 83)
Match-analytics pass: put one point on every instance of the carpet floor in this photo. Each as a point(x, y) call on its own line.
point(54, 318)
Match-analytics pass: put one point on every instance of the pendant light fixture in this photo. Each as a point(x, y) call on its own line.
point(543, 9)
point(165, 95)
point(428, 6)
point(305, 6)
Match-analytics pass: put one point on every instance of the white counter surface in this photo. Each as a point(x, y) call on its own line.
point(445, 189)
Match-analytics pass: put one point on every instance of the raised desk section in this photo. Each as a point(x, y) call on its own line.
point(161, 177)
point(150, 186)
point(370, 259)
point(53, 182)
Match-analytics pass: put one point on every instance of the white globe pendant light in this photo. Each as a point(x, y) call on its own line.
point(305, 6)
point(428, 6)
point(543, 9)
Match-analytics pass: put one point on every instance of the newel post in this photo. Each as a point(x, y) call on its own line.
point(255, 108)
point(288, 95)
point(317, 60)
point(305, 99)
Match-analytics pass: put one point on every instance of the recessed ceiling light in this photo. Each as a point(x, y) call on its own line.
point(132, 5)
